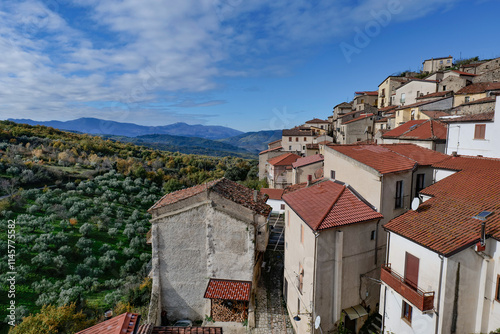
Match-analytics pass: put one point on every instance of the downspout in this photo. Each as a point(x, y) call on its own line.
point(313, 308)
point(376, 242)
point(439, 292)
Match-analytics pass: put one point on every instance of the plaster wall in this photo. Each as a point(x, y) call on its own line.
point(300, 174)
point(412, 90)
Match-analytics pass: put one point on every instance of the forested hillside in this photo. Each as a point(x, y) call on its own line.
point(80, 205)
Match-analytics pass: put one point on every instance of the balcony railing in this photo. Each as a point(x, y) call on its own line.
point(424, 301)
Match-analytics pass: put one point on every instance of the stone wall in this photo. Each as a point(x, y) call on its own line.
point(491, 76)
point(452, 83)
point(477, 108)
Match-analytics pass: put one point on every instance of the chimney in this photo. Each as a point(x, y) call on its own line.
point(255, 195)
point(309, 179)
point(454, 153)
point(483, 234)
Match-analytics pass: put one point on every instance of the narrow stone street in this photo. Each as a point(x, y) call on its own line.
point(271, 314)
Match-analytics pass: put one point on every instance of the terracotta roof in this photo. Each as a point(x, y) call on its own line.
point(298, 186)
point(483, 100)
point(350, 113)
point(187, 330)
point(438, 58)
point(228, 289)
point(226, 188)
point(383, 120)
point(369, 93)
point(419, 130)
point(312, 146)
point(437, 94)
point(272, 193)
point(388, 108)
point(390, 158)
point(274, 142)
point(359, 118)
point(284, 160)
point(317, 120)
point(483, 117)
point(464, 73)
point(297, 132)
point(473, 64)
point(271, 149)
point(432, 114)
point(329, 204)
point(145, 329)
point(125, 323)
point(421, 103)
point(307, 160)
point(343, 104)
point(479, 87)
point(445, 223)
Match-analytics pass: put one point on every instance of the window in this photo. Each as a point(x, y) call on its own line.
point(448, 61)
point(411, 270)
point(444, 88)
point(382, 126)
point(497, 291)
point(289, 138)
point(296, 138)
point(467, 99)
point(399, 195)
point(373, 234)
point(479, 131)
point(383, 91)
point(403, 97)
point(302, 234)
point(440, 61)
point(420, 183)
point(406, 312)
point(321, 126)
point(362, 100)
point(418, 93)
point(305, 138)
point(332, 174)
point(303, 148)
point(282, 207)
point(290, 147)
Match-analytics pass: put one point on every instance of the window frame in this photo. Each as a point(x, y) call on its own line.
point(399, 196)
point(418, 186)
point(481, 134)
point(497, 291)
point(406, 312)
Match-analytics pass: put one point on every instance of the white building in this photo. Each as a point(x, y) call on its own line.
point(408, 92)
point(475, 134)
point(442, 272)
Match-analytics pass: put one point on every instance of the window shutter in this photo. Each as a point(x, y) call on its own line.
point(411, 270)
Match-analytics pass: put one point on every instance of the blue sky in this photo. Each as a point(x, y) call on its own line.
point(249, 65)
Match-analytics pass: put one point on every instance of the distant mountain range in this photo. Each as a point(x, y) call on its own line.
point(178, 137)
point(97, 126)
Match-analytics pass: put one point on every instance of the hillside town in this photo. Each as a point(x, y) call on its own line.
point(382, 218)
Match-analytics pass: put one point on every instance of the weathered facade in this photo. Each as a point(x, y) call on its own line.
point(436, 64)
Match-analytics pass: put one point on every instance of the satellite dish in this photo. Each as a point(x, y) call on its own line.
point(415, 203)
point(317, 322)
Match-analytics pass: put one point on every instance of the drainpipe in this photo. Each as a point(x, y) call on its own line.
point(376, 242)
point(313, 308)
point(439, 292)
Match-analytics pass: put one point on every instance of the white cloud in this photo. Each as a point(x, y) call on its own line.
point(154, 51)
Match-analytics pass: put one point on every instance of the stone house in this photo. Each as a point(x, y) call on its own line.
point(474, 134)
point(341, 109)
point(305, 166)
point(455, 80)
point(279, 172)
point(480, 106)
point(296, 139)
point(436, 64)
point(319, 124)
point(408, 92)
point(264, 156)
point(476, 91)
point(428, 133)
point(415, 111)
point(434, 96)
point(364, 99)
point(357, 129)
point(274, 199)
point(200, 236)
point(384, 123)
point(330, 250)
point(442, 273)
point(388, 88)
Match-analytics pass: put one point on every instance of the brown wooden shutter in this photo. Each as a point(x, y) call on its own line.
point(411, 270)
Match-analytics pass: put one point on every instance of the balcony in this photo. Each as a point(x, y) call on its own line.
point(424, 301)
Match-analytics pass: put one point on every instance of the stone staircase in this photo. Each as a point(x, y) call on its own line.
point(277, 233)
point(372, 324)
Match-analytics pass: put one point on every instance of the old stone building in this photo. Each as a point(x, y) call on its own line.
point(201, 236)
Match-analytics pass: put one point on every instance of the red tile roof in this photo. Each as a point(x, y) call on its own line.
point(125, 323)
point(298, 186)
point(359, 118)
point(479, 87)
point(271, 149)
point(421, 103)
point(444, 223)
point(369, 93)
point(464, 73)
point(390, 158)
point(297, 132)
point(388, 108)
point(312, 146)
point(187, 330)
point(437, 94)
point(226, 188)
point(434, 113)
point(228, 289)
point(274, 142)
point(272, 193)
point(419, 130)
point(488, 116)
point(483, 100)
point(284, 160)
point(329, 204)
point(307, 160)
point(317, 120)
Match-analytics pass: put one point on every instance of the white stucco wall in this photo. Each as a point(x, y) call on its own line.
point(276, 205)
point(410, 90)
